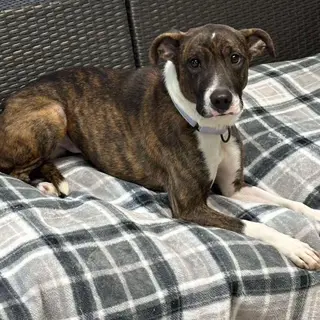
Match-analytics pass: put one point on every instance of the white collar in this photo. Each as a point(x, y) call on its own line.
point(197, 124)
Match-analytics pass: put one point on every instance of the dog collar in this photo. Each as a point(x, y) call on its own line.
point(203, 128)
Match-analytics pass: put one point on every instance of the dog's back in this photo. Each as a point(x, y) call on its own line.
point(115, 117)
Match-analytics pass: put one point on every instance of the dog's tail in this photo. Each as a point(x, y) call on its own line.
point(53, 176)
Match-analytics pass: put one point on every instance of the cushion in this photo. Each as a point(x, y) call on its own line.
point(111, 250)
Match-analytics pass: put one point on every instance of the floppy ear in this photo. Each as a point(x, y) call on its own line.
point(258, 40)
point(166, 46)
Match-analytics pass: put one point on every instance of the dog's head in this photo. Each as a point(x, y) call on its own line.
point(208, 66)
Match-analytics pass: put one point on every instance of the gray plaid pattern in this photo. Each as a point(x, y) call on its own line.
point(111, 250)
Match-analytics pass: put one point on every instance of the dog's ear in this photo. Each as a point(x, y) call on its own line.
point(258, 41)
point(165, 46)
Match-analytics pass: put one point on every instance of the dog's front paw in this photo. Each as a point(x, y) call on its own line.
point(300, 253)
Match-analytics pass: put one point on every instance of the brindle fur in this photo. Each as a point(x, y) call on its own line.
point(125, 124)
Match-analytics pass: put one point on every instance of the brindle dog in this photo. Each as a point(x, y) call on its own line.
point(169, 130)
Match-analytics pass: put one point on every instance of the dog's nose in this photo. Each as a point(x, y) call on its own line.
point(221, 99)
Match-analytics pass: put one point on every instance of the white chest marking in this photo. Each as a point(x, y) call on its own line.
point(229, 167)
point(210, 145)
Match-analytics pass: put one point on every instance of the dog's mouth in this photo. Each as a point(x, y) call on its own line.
point(207, 116)
point(215, 114)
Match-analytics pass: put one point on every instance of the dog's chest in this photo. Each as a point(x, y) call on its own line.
point(210, 146)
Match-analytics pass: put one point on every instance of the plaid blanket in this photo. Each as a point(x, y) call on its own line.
point(111, 250)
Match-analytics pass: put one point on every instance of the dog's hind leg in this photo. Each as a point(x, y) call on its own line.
point(55, 184)
point(23, 173)
point(31, 128)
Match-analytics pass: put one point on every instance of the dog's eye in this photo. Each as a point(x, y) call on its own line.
point(194, 63)
point(235, 58)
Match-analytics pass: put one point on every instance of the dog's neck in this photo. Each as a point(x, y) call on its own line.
point(214, 125)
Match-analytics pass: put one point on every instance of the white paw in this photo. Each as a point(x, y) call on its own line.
point(300, 253)
point(47, 189)
point(64, 188)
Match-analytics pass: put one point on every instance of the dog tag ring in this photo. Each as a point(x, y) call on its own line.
point(228, 136)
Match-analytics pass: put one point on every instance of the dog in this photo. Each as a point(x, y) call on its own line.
point(170, 129)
